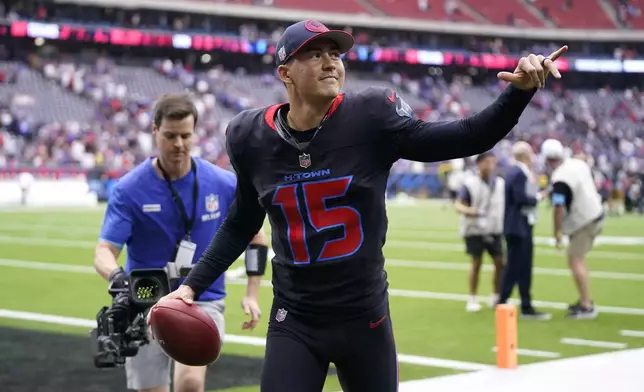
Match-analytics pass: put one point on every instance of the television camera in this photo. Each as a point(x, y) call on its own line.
point(122, 328)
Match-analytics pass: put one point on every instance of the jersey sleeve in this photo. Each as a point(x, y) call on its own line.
point(244, 219)
point(464, 195)
point(561, 194)
point(117, 223)
point(230, 183)
point(418, 140)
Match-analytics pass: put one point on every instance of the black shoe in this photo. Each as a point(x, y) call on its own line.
point(580, 312)
point(533, 314)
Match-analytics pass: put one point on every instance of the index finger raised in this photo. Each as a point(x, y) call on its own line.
point(558, 53)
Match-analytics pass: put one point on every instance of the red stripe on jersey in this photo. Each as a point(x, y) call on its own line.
point(269, 116)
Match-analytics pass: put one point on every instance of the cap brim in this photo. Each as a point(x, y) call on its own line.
point(341, 38)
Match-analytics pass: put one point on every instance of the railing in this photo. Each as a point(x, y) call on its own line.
point(226, 43)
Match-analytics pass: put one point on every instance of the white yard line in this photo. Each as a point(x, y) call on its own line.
point(534, 353)
point(435, 265)
point(429, 245)
point(412, 235)
point(538, 250)
point(245, 340)
point(235, 273)
point(542, 304)
point(594, 343)
point(8, 209)
point(53, 242)
point(422, 234)
point(460, 266)
point(632, 334)
point(393, 292)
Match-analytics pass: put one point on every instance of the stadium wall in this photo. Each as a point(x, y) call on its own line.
point(47, 193)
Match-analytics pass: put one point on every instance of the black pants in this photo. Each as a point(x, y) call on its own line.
point(298, 353)
point(475, 245)
point(518, 269)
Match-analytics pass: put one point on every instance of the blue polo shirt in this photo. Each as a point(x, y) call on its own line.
point(142, 214)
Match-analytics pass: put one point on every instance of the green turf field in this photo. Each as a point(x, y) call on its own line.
point(427, 269)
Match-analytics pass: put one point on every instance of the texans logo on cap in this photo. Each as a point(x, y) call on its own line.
point(315, 27)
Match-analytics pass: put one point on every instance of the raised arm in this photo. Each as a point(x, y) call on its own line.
point(431, 142)
point(422, 141)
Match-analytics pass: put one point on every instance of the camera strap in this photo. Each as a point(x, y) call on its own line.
point(187, 222)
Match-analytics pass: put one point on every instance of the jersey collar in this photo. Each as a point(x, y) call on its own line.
point(271, 112)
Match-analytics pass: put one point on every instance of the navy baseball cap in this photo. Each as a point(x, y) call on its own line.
point(301, 33)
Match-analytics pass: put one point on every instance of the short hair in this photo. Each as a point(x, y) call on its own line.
point(521, 149)
point(174, 106)
point(482, 156)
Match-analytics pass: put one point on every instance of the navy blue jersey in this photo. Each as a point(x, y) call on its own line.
point(142, 214)
point(326, 203)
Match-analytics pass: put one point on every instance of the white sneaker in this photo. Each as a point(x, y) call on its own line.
point(494, 298)
point(473, 307)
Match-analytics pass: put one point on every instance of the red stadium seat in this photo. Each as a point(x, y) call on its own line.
point(582, 14)
point(491, 10)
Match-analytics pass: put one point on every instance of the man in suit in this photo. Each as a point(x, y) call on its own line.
point(521, 197)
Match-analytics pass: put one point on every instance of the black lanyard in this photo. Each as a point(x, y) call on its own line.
point(282, 128)
point(188, 222)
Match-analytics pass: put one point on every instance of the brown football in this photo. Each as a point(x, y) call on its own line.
point(185, 332)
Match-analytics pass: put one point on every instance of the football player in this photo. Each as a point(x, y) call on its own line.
point(318, 166)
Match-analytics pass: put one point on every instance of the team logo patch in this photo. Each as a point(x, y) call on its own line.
point(281, 315)
point(212, 202)
point(402, 108)
point(305, 160)
point(315, 27)
point(281, 54)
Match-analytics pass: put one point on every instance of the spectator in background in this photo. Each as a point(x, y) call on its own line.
point(521, 197)
point(577, 213)
point(167, 210)
point(481, 203)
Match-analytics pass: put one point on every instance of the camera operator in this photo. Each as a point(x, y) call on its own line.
point(168, 209)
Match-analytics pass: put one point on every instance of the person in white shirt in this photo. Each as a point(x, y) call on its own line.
point(577, 213)
point(481, 204)
point(25, 181)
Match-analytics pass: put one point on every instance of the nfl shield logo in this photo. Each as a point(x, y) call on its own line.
point(305, 160)
point(281, 315)
point(212, 202)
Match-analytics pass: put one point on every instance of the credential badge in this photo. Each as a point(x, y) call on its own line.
point(281, 315)
point(212, 202)
point(305, 160)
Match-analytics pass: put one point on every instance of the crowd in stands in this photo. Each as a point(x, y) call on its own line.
point(605, 125)
point(97, 113)
point(271, 30)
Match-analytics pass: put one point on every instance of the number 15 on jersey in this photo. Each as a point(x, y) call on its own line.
point(320, 218)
